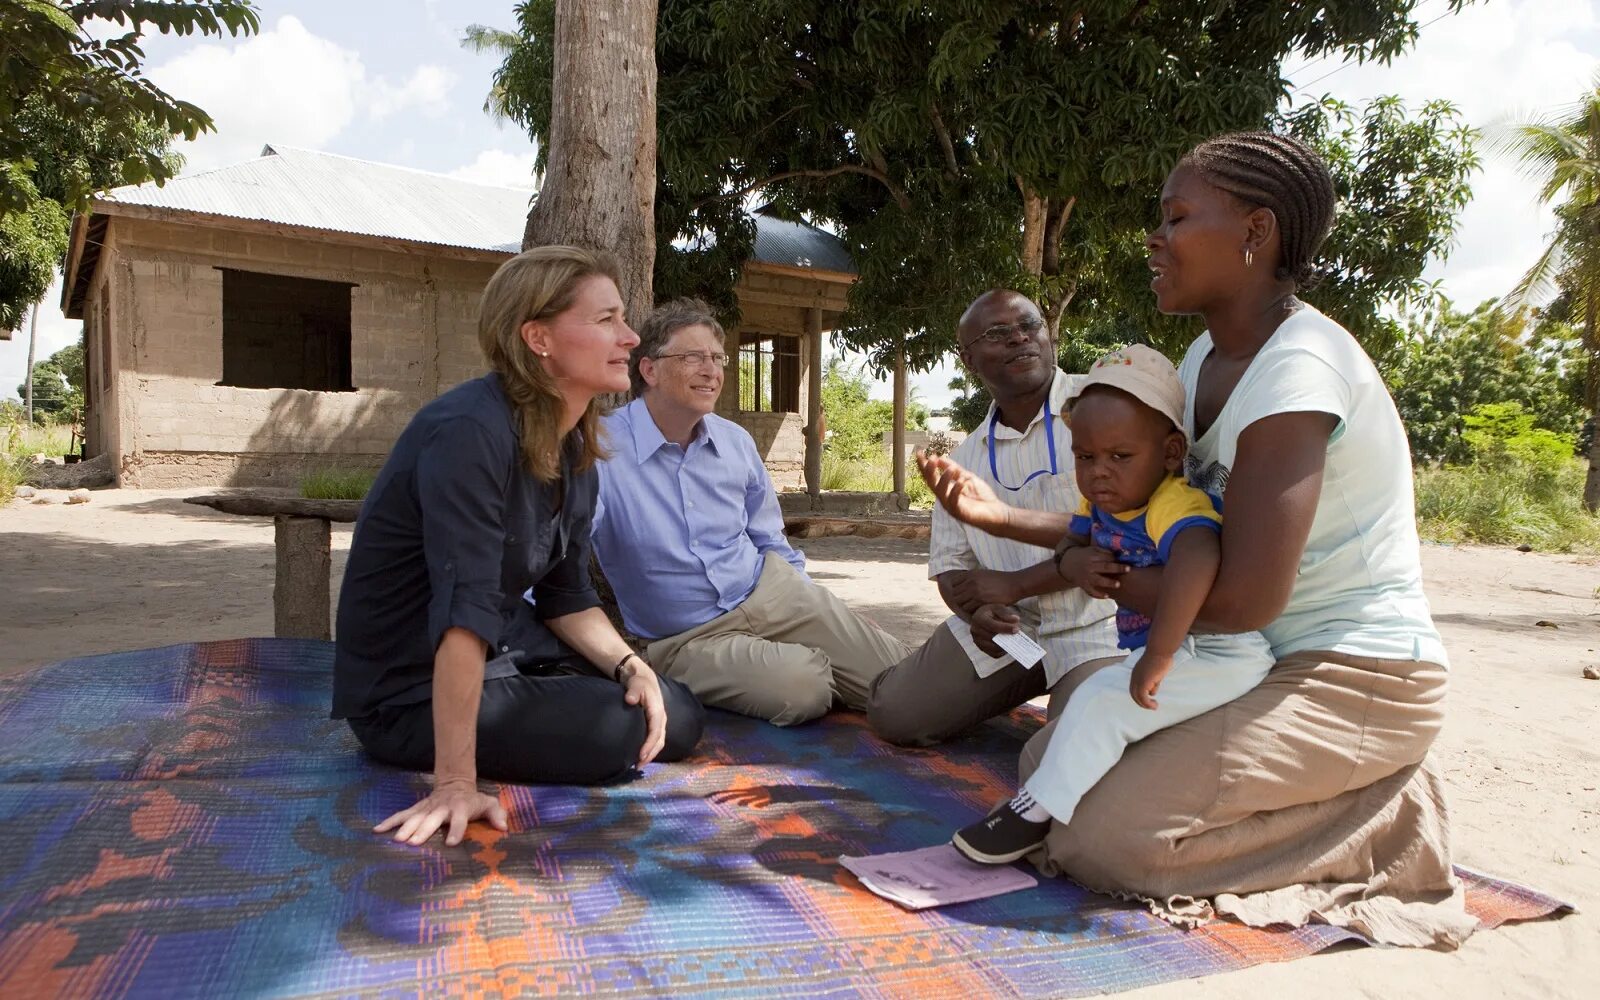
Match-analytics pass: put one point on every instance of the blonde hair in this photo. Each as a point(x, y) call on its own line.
point(536, 285)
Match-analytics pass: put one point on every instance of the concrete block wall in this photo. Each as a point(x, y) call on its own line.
point(180, 428)
point(780, 437)
point(413, 334)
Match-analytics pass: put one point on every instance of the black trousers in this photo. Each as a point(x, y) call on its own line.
point(561, 723)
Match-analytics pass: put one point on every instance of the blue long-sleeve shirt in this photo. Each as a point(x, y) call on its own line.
point(456, 533)
point(682, 533)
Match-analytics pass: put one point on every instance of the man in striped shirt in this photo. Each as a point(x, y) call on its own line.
point(1023, 448)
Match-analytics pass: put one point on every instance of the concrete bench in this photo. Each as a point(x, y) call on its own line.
point(300, 592)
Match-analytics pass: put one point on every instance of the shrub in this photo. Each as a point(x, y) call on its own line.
point(1522, 487)
point(873, 474)
point(20, 442)
point(337, 484)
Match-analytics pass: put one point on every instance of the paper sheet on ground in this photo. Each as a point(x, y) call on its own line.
point(934, 876)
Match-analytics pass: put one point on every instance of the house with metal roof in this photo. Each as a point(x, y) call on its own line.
point(248, 324)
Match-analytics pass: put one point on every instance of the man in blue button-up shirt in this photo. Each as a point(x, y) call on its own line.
point(691, 540)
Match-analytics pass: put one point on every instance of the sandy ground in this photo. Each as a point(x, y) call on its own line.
point(135, 569)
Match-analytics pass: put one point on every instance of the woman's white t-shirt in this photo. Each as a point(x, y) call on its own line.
point(1359, 587)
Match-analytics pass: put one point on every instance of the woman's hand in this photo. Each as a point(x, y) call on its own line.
point(1094, 570)
point(642, 688)
point(454, 802)
point(968, 498)
point(992, 620)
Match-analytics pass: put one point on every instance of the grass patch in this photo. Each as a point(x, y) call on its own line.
point(19, 442)
point(337, 484)
point(873, 474)
point(1511, 504)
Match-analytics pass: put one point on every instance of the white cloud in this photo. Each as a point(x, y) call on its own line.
point(291, 86)
point(1498, 62)
point(283, 85)
point(500, 168)
point(427, 90)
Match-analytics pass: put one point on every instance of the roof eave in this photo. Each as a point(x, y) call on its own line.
point(795, 271)
point(185, 216)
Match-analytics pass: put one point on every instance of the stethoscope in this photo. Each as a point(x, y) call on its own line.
point(1050, 439)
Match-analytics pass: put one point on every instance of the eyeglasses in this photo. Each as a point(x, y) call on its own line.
point(1002, 332)
point(699, 359)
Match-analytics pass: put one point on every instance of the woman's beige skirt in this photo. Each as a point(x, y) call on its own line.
point(1310, 798)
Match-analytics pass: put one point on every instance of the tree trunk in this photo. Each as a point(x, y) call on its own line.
point(1044, 220)
point(1591, 343)
point(1591, 483)
point(33, 342)
point(1033, 210)
point(600, 182)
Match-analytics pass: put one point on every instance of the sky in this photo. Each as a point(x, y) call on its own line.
point(323, 75)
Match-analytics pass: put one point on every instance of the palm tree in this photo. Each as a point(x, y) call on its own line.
point(1562, 152)
point(494, 41)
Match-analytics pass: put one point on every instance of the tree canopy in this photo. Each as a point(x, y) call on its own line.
point(956, 145)
point(1452, 363)
point(77, 116)
point(58, 385)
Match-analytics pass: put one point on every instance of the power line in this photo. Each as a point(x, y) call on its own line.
point(1349, 65)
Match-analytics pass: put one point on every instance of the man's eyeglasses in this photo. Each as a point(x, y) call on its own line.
point(1002, 332)
point(699, 359)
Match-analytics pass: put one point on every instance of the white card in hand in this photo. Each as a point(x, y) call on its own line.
point(1022, 649)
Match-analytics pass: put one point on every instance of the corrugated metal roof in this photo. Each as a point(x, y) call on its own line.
point(779, 241)
point(300, 187)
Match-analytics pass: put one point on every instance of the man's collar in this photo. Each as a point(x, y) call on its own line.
point(647, 437)
point(1060, 388)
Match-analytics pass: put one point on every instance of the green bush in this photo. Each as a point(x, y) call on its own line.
point(20, 442)
point(1474, 504)
point(337, 484)
point(1522, 487)
point(1453, 363)
point(873, 474)
point(857, 424)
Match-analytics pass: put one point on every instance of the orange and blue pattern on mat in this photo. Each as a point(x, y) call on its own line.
point(188, 822)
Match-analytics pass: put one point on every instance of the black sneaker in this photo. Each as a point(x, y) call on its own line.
point(1000, 837)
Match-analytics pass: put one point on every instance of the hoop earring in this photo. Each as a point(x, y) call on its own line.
point(1249, 257)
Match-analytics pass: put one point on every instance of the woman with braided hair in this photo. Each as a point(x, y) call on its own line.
point(1311, 796)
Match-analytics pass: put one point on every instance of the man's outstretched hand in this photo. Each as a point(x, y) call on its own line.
point(967, 497)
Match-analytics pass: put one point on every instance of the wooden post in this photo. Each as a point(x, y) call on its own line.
point(814, 406)
point(300, 591)
point(900, 498)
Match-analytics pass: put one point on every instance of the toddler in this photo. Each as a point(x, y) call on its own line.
point(1128, 447)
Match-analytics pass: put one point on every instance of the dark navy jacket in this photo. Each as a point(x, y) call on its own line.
point(456, 533)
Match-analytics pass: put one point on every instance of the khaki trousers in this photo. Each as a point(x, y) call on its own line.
point(1309, 797)
point(935, 693)
point(784, 655)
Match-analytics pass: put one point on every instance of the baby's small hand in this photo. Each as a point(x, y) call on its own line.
point(1148, 674)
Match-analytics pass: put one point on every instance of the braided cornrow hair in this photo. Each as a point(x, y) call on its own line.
point(1267, 170)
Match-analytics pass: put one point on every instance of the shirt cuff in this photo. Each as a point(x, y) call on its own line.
point(451, 610)
point(559, 602)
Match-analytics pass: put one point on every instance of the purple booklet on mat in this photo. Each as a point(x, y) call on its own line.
point(934, 876)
